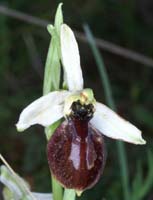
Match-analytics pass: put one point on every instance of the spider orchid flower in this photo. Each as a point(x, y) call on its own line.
point(76, 152)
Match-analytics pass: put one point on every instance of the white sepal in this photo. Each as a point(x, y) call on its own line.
point(113, 126)
point(71, 59)
point(44, 111)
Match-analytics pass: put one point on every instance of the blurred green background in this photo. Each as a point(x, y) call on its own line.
point(23, 49)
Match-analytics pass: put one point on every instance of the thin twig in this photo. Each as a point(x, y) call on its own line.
point(103, 44)
point(7, 165)
point(22, 16)
point(118, 50)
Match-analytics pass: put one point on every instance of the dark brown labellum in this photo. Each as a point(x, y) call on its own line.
point(76, 153)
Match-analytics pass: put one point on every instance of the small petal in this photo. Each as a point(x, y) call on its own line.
point(112, 125)
point(44, 111)
point(71, 59)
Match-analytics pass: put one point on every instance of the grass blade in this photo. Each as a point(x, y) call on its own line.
point(109, 99)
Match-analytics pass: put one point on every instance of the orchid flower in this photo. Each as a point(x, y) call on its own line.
point(50, 108)
point(81, 112)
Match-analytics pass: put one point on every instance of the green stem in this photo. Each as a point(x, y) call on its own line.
point(57, 190)
point(52, 61)
point(51, 83)
point(69, 194)
point(108, 93)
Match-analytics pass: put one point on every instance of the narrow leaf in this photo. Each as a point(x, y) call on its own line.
point(52, 69)
point(58, 18)
point(110, 101)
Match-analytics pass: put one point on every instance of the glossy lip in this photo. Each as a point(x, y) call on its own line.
point(76, 162)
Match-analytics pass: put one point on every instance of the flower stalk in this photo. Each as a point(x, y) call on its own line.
point(52, 82)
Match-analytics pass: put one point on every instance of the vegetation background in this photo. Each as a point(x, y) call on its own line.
point(23, 49)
